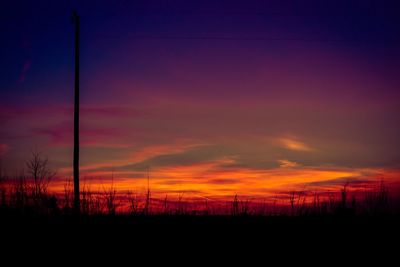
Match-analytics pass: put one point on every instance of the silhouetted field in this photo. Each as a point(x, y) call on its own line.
point(31, 215)
point(35, 221)
point(42, 224)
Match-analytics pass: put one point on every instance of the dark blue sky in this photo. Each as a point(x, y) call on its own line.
point(38, 35)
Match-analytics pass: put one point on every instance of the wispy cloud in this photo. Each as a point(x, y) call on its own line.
point(284, 163)
point(164, 149)
point(295, 145)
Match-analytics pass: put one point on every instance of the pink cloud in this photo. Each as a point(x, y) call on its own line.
point(104, 111)
point(4, 148)
point(178, 146)
point(110, 111)
point(62, 134)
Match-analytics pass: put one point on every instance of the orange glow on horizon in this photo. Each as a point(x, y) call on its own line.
point(206, 180)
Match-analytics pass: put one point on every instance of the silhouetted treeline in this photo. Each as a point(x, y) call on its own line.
point(28, 193)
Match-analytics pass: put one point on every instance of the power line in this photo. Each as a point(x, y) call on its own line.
point(234, 38)
point(114, 12)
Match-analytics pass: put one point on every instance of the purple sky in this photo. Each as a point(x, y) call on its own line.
point(250, 86)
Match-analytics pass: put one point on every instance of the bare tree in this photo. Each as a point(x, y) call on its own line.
point(133, 203)
point(2, 186)
point(40, 174)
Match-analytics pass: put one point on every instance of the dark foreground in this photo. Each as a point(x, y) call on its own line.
point(199, 240)
point(180, 233)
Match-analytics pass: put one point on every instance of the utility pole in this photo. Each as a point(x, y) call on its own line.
point(147, 204)
point(76, 21)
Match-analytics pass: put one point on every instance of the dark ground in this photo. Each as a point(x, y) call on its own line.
point(202, 235)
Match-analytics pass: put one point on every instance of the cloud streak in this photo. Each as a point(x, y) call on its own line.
point(24, 71)
point(294, 145)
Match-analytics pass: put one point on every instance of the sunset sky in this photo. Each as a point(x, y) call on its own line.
point(214, 97)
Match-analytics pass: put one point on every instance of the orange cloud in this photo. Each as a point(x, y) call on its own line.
point(212, 179)
point(284, 163)
point(294, 145)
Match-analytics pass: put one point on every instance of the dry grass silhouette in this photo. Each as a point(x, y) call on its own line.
point(27, 193)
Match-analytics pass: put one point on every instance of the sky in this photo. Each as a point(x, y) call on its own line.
point(210, 98)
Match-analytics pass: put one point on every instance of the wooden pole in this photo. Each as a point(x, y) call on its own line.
point(76, 117)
